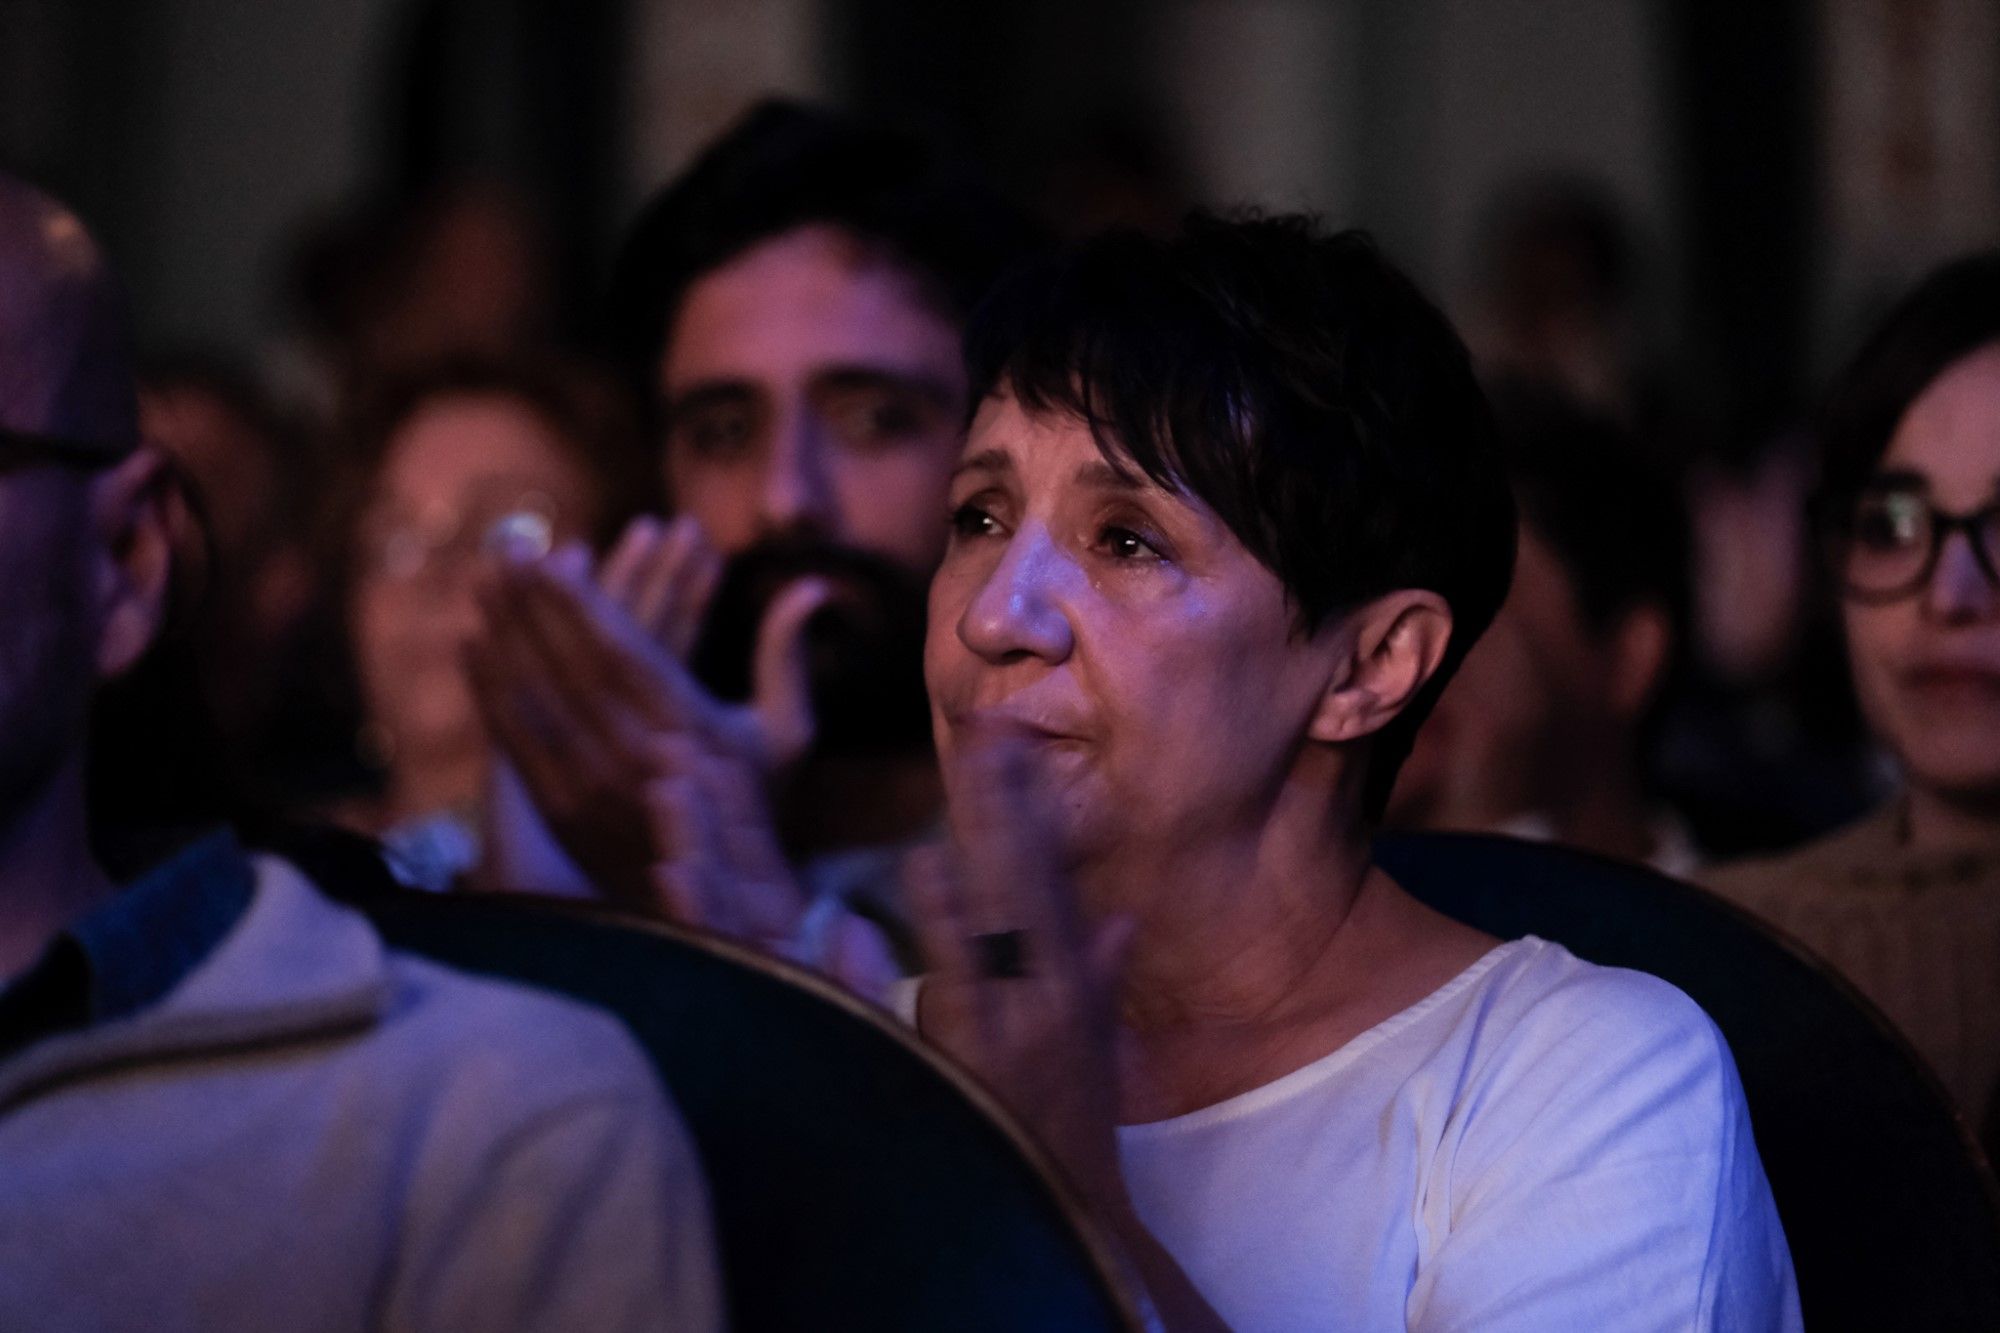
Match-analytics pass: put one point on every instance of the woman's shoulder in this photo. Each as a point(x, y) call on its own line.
point(1537, 979)
point(1540, 1009)
point(1854, 851)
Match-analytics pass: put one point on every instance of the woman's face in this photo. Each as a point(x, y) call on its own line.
point(1147, 657)
point(1927, 665)
point(457, 466)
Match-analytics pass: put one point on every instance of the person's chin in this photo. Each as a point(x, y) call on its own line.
point(1965, 774)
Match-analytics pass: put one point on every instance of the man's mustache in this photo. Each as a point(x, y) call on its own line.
point(864, 649)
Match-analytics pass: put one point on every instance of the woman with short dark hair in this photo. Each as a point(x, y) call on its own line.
point(1228, 515)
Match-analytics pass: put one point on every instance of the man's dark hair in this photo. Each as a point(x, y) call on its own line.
point(1297, 384)
point(1592, 495)
point(1951, 314)
point(786, 166)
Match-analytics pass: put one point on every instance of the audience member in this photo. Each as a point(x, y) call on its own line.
point(1557, 294)
point(1542, 733)
point(1229, 514)
point(384, 291)
point(223, 1104)
point(1907, 901)
point(790, 312)
point(452, 461)
point(242, 666)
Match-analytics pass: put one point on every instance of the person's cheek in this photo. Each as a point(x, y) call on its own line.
point(722, 500)
point(1870, 638)
point(895, 502)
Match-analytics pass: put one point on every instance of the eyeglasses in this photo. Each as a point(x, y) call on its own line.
point(21, 448)
point(1886, 543)
point(401, 548)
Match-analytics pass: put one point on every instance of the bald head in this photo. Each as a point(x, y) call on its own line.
point(65, 350)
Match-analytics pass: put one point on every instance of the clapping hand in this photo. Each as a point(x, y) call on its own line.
point(721, 869)
point(579, 680)
point(1020, 986)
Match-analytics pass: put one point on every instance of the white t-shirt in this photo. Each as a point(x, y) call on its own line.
point(1541, 1144)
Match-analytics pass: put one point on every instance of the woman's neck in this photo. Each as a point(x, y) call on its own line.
point(1935, 822)
point(1233, 924)
point(1258, 954)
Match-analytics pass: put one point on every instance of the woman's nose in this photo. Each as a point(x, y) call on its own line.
point(1018, 612)
point(1960, 589)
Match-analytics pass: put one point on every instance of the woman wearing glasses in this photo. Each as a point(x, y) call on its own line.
point(1907, 902)
point(449, 462)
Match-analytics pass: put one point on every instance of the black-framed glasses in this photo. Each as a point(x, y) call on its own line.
point(21, 448)
point(1885, 543)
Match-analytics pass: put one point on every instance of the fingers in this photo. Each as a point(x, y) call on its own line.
point(943, 935)
point(530, 721)
point(858, 957)
point(953, 1007)
point(781, 680)
point(551, 660)
point(673, 596)
point(663, 576)
point(685, 875)
point(1007, 835)
point(594, 652)
point(627, 559)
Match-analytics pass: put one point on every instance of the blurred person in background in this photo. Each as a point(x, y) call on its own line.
point(385, 290)
point(255, 646)
point(450, 463)
point(790, 311)
point(224, 1103)
point(1556, 294)
point(1544, 730)
point(1906, 902)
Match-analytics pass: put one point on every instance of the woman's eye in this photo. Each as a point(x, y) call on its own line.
point(1125, 544)
point(969, 520)
point(1891, 522)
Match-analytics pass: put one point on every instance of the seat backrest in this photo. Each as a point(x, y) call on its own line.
point(857, 1181)
point(1891, 1213)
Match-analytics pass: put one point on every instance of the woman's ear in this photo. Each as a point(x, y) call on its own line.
point(1389, 649)
point(133, 558)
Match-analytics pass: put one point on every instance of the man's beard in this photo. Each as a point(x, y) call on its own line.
point(864, 648)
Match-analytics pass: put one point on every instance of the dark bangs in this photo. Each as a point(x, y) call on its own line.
point(1299, 386)
point(1293, 382)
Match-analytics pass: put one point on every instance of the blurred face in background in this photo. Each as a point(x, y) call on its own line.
point(813, 393)
point(1541, 702)
point(454, 468)
point(1927, 662)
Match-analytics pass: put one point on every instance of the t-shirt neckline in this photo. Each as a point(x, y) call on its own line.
point(1313, 1072)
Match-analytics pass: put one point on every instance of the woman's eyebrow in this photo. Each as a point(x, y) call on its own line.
point(1102, 476)
point(986, 460)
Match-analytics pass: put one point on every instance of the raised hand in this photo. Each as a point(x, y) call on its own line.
point(722, 869)
point(576, 692)
point(1019, 985)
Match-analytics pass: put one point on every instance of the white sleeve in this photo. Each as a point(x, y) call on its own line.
point(1604, 1176)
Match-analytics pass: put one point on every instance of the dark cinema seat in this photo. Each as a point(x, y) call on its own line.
point(858, 1182)
point(1892, 1214)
